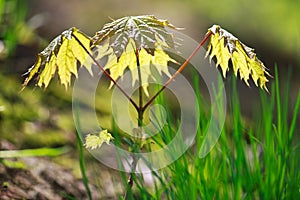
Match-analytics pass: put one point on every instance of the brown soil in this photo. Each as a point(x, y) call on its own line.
point(40, 179)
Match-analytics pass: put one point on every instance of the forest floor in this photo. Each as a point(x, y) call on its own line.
point(39, 178)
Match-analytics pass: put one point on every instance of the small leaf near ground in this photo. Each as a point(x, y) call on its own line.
point(94, 141)
point(224, 46)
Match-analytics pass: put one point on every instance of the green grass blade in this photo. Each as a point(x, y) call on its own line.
point(34, 152)
point(81, 154)
point(294, 120)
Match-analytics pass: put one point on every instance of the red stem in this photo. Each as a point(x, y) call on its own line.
point(106, 73)
point(179, 69)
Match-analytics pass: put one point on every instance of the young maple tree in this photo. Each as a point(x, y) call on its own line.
point(137, 43)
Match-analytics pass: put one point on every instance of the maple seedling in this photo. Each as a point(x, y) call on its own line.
point(137, 44)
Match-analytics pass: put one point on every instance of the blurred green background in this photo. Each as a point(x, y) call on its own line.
point(43, 118)
point(271, 27)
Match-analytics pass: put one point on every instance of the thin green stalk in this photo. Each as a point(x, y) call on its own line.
point(237, 139)
point(278, 101)
point(140, 111)
point(294, 120)
point(280, 137)
point(128, 193)
point(81, 155)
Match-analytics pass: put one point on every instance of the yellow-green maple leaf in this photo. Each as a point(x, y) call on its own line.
point(145, 30)
point(124, 37)
point(48, 72)
point(128, 60)
point(119, 40)
point(224, 46)
point(223, 53)
point(61, 55)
